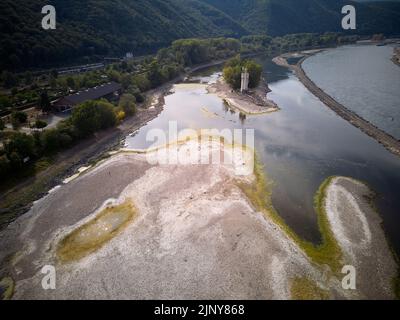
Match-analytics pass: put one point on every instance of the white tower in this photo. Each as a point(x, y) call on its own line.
point(245, 80)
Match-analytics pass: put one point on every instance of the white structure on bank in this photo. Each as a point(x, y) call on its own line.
point(245, 80)
point(129, 56)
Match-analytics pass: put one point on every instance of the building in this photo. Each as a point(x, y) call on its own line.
point(109, 91)
point(245, 80)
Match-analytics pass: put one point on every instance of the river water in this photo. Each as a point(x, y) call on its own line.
point(300, 146)
point(362, 78)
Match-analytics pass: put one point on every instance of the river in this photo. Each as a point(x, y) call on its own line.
point(364, 79)
point(300, 146)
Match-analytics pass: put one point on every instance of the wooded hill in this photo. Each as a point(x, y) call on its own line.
point(87, 29)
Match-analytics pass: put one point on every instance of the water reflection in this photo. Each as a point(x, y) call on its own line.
point(300, 146)
point(364, 79)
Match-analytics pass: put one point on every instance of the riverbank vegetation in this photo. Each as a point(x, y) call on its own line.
point(136, 78)
point(22, 152)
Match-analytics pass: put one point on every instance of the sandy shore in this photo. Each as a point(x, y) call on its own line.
point(194, 235)
point(253, 103)
point(388, 141)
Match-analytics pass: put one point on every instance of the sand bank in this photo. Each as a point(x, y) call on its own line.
point(253, 103)
point(195, 235)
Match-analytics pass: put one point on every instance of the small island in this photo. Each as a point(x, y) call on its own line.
point(243, 88)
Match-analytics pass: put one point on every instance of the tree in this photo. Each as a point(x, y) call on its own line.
point(44, 102)
point(133, 90)
point(9, 79)
point(54, 73)
point(127, 104)
point(232, 76)
point(5, 102)
point(18, 118)
point(85, 119)
point(255, 72)
point(40, 124)
point(233, 72)
point(28, 78)
point(155, 76)
point(71, 82)
point(92, 116)
point(106, 114)
point(22, 145)
point(4, 167)
point(52, 82)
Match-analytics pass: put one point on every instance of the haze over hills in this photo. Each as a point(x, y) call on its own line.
point(279, 17)
point(113, 27)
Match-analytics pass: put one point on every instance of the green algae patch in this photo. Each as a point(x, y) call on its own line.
point(306, 289)
point(93, 235)
point(6, 288)
point(328, 251)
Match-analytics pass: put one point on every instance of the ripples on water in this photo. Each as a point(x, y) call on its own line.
point(300, 146)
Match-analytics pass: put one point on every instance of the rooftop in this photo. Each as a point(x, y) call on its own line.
point(90, 94)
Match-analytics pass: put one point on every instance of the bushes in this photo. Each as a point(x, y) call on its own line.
point(5, 103)
point(18, 118)
point(4, 166)
point(40, 124)
point(19, 149)
point(128, 105)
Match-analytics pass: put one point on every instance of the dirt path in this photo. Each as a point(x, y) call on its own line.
point(388, 141)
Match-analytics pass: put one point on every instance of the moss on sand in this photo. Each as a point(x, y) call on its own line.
point(93, 235)
point(306, 289)
point(328, 251)
point(6, 288)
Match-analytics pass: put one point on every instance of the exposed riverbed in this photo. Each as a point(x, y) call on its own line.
point(300, 146)
point(203, 232)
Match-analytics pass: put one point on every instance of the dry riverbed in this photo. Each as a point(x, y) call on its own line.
point(128, 229)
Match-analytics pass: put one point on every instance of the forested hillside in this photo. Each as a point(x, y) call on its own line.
point(280, 17)
point(103, 27)
point(87, 29)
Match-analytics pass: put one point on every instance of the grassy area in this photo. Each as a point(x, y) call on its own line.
point(94, 234)
point(306, 289)
point(6, 288)
point(328, 252)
